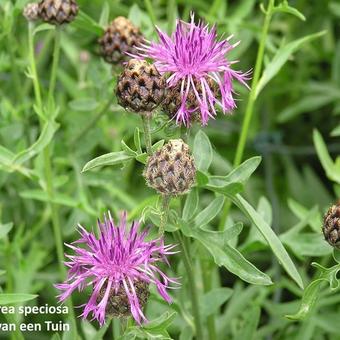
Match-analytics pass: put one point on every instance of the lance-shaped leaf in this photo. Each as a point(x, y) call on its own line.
point(332, 169)
point(310, 294)
point(112, 158)
point(210, 212)
point(272, 239)
point(203, 153)
point(216, 242)
point(44, 139)
point(280, 58)
point(240, 174)
point(8, 299)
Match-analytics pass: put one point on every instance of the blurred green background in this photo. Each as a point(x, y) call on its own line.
point(290, 186)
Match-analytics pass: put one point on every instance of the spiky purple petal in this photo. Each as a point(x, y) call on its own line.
point(118, 258)
point(193, 54)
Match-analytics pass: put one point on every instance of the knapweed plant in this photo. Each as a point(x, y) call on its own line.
point(169, 169)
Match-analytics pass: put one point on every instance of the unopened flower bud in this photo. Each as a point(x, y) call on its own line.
point(58, 12)
point(331, 225)
point(31, 12)
point(120, 37)
point(171, 170)
point(140, 87)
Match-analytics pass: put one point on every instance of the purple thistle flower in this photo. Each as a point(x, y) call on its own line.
point(118, 261)
point(194, 59)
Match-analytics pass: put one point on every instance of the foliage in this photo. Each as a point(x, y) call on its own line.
point(262, 268)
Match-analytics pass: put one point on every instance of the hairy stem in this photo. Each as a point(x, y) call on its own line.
point(251, 102)
point(189, 268)
point(147, 132)
point(164, 214)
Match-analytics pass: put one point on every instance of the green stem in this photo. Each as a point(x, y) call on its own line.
point(207, 283)
point(49, 180)
point(55, 217)
point(147, 132)
point(165, 212)
point(150, 11)
point(33, 70)
point(251, 102)
point(55, 62)
point(47, 157)
point(116, 328)
point(185, 249)
point(252, 95)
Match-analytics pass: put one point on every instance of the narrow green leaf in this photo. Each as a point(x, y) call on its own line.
point(251, 318)
point(229, 189)
point(201, 178)
point(142, 158)
point(105, 15)
point(209, 213)
point(335, 8)
point(155, 329)
point(7, 299)
point(272, 239)
point(313, 215)
point(219, 238)
point(43, 27)
point(336, 131)
point(284, 7)
point(127, 149)
point(336, 255)
point(5, 229)
point(6, 156)
point(216, 242)
point(88, 330)
point(281, 57)
point(306, 244)
point(191, 204)
point(162, 322)
point(234, 261)
point(308, 103)
point(42, 196)
point(311, 293)
point(83, 104)
point(112, 158)
point(47, 133)
point(203, 153)
point(213, 300)
point(240, 174)
point(332, 172)
point(157, 145)
point(136, 138)
point(86, 23)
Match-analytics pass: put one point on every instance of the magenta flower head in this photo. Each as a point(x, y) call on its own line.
point(119, 265)
point(198, 69)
